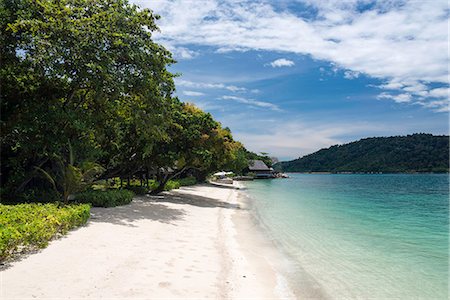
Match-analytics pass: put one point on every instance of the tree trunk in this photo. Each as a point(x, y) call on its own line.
point(164, 179)
point(161, 186)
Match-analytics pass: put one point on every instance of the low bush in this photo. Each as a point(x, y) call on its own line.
point(172, 184)
point(187, 181)
point(138, 190)
point(28, 226)
point(108, 198)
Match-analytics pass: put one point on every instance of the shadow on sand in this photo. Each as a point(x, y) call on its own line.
point(140, 209)
point(195, 200)
point(152, 208)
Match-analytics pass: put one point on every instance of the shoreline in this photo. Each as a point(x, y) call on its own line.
point(253, 264)
point(298, 283)
point(195, 242)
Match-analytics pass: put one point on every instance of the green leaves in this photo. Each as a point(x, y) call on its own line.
point(108, 198)
point(88, 72)
point(27, 226)
point(81, 70)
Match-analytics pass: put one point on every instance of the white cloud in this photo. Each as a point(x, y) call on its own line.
point(252, 102)
point(440, 92)
point(209, 85)
point(391, 86)
point(199, 85)
point(184, 53)
point(398, 41)
point(294, 138)
point(234, 88)
point(297, 135)
point(282, 62)
point(418, 93)
point(231, 49)
point(400, 98)
point(193, 93)
point(437, 105)
point(180, 52)
point(351, 75)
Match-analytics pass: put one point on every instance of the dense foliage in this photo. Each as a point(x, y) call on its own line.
point(187, 181)
point(412, 153)
point(269, 161)
point(86, 93)
point(27, 226)
point(108, 198)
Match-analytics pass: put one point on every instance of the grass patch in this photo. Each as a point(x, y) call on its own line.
point(108, 198)
point(29, 226)
point(187, 181)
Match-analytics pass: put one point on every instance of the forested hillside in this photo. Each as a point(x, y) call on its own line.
point(397, 154)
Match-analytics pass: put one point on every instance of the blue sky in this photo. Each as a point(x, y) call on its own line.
point(291, 77)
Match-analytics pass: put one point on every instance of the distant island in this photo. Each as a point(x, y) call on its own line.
point(397, 154)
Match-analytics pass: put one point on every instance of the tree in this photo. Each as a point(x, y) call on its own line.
point(86, 71)
point(84, 79)
point(196, 142)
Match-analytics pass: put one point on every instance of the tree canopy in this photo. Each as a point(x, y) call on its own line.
point(84, 82)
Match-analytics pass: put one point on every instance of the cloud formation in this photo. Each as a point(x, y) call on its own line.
point(292, 139)
point(252, 102)
point(404, 43)
point(400, 98)
point(193, 93)
point(209, 85)
point(282, 62)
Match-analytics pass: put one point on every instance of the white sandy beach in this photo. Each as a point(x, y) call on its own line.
point(196, 242)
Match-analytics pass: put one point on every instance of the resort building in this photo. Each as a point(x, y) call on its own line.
point(260, 169)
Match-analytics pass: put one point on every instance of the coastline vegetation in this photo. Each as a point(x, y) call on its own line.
point(32, 225)
point(416, 153)
point(86, 96)
point(108, 198)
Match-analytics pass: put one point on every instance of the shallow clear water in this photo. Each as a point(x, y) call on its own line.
point(362, 236)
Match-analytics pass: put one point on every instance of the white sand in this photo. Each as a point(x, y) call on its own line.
point(191, 243)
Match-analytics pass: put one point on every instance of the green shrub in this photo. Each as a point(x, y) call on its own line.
point(172, 184)
point(108, 198)
point(137, 189)
point(152, 184)
point(26, 226)
point(187, 181)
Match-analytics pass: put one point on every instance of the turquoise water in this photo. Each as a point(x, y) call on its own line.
point(361, 236)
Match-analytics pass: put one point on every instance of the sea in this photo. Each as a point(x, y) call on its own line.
point(383, 236)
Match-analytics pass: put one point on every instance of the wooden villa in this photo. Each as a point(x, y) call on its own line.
point(260, 169)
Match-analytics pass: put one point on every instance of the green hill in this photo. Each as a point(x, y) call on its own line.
point(397, 154)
